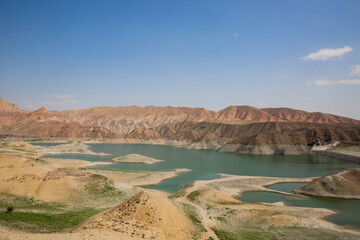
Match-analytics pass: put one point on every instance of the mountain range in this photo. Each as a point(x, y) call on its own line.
point(234, 129)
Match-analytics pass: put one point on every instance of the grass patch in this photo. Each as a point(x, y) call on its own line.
point(102, 187)
point(45, 222)
point(37, 216)
point(182, 191)
point(221, 219)
point(257, 235)
point(229, 203)
point(116, 170)
point(28, 203)
point(193, 195)
point(190, 211)
point(225, 235)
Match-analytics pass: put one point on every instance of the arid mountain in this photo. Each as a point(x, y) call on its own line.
point(8, 106)
point(247, 113)
point(293, 115)
point(55, 129)
point(42, 123)
point(229, 130)
point(268, 133)
point(123, 120)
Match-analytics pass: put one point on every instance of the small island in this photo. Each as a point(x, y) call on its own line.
point(136, 158)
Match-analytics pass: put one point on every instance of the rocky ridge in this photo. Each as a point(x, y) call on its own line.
point(242, 129)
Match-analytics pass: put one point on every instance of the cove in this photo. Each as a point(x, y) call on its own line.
point(348, 210)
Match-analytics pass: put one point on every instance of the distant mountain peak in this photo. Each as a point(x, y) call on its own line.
point(41, 110)
point(8, 106)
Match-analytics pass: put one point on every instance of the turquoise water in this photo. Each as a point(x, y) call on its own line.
point(206, 164)
point(349, 210)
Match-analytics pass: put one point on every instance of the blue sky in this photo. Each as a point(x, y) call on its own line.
point(212, 54)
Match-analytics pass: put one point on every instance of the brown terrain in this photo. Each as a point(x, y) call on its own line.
point(242, 129)
point(344, 184)
point(147, 215)
point(64, 199)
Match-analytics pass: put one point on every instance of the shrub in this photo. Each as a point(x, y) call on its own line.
point(10, 209)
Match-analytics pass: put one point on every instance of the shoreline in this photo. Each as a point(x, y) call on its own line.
point(219, 147)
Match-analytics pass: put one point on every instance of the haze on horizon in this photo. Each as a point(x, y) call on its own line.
point(212, 54)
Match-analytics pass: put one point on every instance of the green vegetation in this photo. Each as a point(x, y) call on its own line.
point(221, 219)
point(225, 235)
point(9, 209)
point(182, 191)
point(190, 211)
point(257, 235)
point(193, 195)
point(116, 170)
point(229, 203)
point(101, 186)
point(45, 222)
point(37, 216)
point(27, 204)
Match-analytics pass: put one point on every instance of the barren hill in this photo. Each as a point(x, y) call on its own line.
point(243, 137)
point(344, 184)
point(294, 115)
point(123, 120)
point(147, 215)
point(245, 113)
point(8, 106)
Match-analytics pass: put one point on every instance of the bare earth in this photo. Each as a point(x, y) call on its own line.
point(198, 211)
point(136, 158)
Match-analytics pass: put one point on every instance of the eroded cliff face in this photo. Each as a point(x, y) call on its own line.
point(242, 129)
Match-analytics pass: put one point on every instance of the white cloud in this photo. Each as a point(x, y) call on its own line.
point(60, 100)
point(355, 70)
point(236, 35)
point(29, 105)
point(322, 82)
point(53, 101)
point(324, 54)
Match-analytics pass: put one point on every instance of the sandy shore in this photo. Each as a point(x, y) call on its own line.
point(138, 178)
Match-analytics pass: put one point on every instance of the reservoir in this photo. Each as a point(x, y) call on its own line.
point(207, 164)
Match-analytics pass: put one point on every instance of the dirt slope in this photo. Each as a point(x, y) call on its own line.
point(344, 184)
point(149, 215)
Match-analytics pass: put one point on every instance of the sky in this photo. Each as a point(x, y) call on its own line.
point(196, 53)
